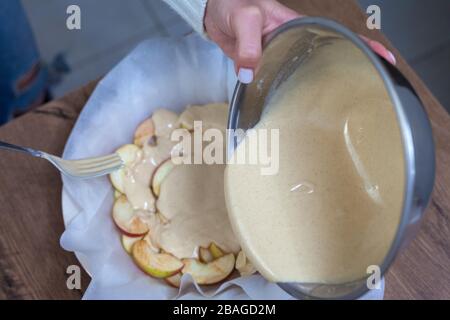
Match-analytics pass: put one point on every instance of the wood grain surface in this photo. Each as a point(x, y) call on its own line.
point(33, 265)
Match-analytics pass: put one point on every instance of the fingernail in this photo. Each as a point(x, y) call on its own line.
point(392, 58)
point(245, 75)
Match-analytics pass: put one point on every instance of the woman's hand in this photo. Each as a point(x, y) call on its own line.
point(238, 27)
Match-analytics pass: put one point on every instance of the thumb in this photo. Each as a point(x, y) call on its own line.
point(247, 25)
point(281, 14)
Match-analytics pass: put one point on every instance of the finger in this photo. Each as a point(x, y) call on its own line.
point(226, 43)
point(247, 25)
point(278, 14)
point(381, 50)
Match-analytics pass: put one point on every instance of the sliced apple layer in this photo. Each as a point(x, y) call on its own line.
point(213, 264)
point(205, 255)
point(216, 251)
point(151, 244)
point(128, 154)
point(174, 280)
point(117, 194)
point(160, 174)
point(126, 219)
point(128, 242)
point(241, 260)
point(144, 132)
point(243, 265)
point(209, 273)
point(157, 265)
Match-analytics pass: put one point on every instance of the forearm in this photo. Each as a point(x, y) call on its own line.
point(193, 11)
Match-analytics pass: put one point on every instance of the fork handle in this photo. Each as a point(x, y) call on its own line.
point(12, 147)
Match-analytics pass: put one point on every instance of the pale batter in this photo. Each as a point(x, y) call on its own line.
point(192, 199)
point(334, 207)
point(190, 210)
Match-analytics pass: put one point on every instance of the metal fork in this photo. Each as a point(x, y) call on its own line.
point(83, 169)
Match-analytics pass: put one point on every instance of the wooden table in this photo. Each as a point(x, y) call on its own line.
point(33, 266)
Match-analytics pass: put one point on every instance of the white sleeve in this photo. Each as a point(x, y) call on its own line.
point(193, 11)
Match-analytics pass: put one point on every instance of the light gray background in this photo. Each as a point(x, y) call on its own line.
point(420, 29)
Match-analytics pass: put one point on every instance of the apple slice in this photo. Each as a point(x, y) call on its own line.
point(205, 255)
point(243, 265)
point(209, 273)
point(216, 251)
point(117, 194)
point(126, 220)
point(158, 265)
point(144, 132)
point(241, 260)
point(160, 174)
point(247, 270)
point(151, 244)
point(128, 242)
point(174, 280)
point(128, 154)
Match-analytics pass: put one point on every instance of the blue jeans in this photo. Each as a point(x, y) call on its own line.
point(23, 78)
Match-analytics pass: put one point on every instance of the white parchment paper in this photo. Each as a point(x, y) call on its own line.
point(170, 73)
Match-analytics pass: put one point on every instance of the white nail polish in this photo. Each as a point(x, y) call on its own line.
point(391, 55)
point(245, 75)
